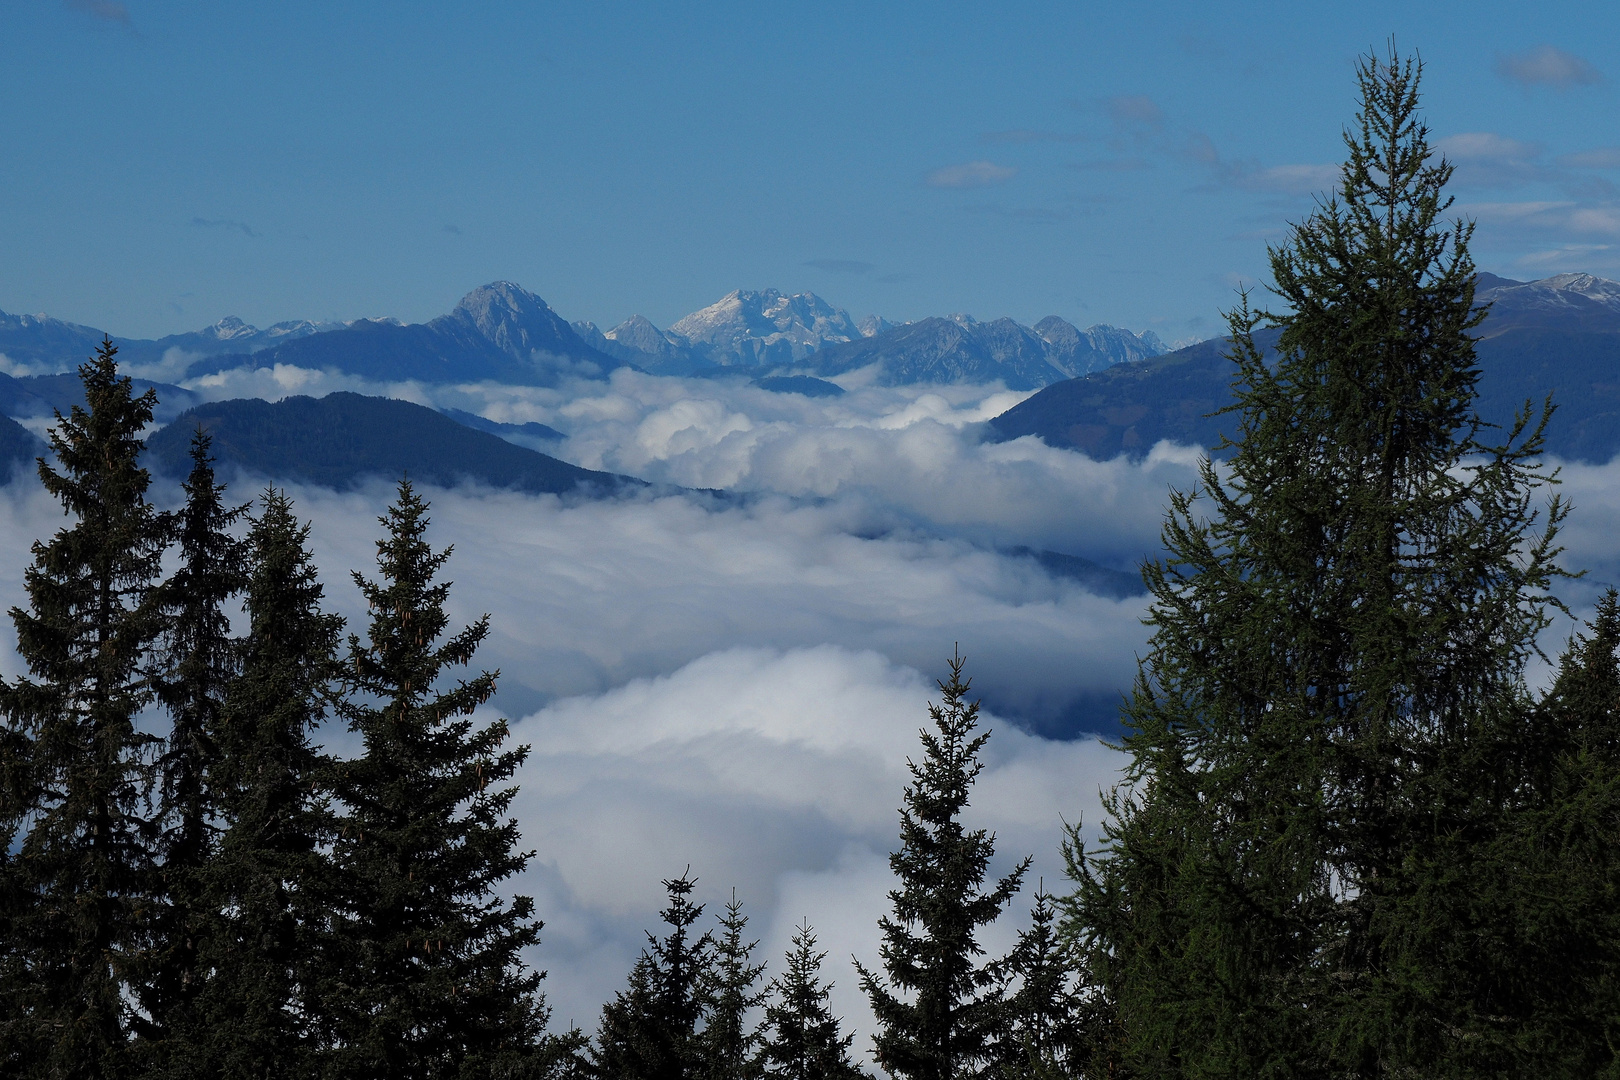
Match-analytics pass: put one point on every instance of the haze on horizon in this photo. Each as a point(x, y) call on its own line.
point(170, 164)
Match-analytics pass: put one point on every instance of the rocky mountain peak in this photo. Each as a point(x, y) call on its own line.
point(1058, 331)
point(230, 327)
point(754, 327)
point(515, 320)
point(639, 333)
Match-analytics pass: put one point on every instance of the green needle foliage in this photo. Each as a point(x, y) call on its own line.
point(651, 1030)
point(804, 1040)
point(197, 661)
point(730, 1045)
point(84, 875)
point(269, 881)
point(1551, 971)
point(432, 983)
point(948, 1025)
point(1320, 730)
point(1054, 1023)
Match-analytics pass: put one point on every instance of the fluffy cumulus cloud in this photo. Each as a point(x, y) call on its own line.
point(774, 773)
point(734, 689)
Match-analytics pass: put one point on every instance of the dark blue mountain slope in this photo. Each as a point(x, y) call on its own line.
point(531, 430)
point(18, 447)
point(341, 439)
point(1525, 353)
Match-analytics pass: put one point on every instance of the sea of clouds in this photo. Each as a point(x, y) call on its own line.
point(733, 682)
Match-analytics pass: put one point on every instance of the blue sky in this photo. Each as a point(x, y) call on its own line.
point(169, 163)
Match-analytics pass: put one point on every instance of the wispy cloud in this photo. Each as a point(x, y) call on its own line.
point(105, 10)
point(1486, 146)
point(1604, 157)
point(1134, 109)
point(1291, 179)
point(1018, 213)
point(223, 223)
point(971, 174)
point(1026, 135)
point(1486, 159)
point(1128, 164)
point(1547, 65)
point(840, 266)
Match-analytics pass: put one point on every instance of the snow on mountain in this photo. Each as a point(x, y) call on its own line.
point(745, 327)
point(1566, 301)
point(873, 325)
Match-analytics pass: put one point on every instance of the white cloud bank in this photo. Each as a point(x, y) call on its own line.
point(778, 773)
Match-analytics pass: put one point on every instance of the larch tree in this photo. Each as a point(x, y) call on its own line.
point(939, 1009)
point(83, 879)
point(432, 980)
point(1341, 629)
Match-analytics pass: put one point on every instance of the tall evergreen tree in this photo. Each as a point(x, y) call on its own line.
point(651, 1029)
point(196, 661)
point(1544, 977)
point(948, 1028)
point(433, 983)
point(1340, 635)
point(730, 1045)
point(269, 884)
point(1053, 1023)
point(803, 1039)
point(85, 867)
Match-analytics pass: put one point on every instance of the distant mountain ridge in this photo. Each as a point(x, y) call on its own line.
point(39, 344)
point(804, 335)
point(501, 332)
point(1559, 335)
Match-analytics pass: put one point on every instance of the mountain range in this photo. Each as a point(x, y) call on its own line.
point(1558, 336)
point(804, 335)
point(501, 332)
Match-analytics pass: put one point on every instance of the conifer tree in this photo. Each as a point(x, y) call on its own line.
point(1544, 977)
point(196, 662)
point(730, 1046)
point(947, 1026)
point(269, 884)
point(432, 979)
point(651, 1029)
point(84, 876)
point(1052, 1023)
point(804, 1040)
point(1340, 633)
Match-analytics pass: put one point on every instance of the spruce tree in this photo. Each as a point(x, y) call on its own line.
point(196, 661)
point(1053, 1023)
point(947, 1026)
point(270, 884)
point(83, 878)
point(651, 1030)
point(1340, 633)
point(730, 1046)
point(803, 1039)
point(432, 981)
